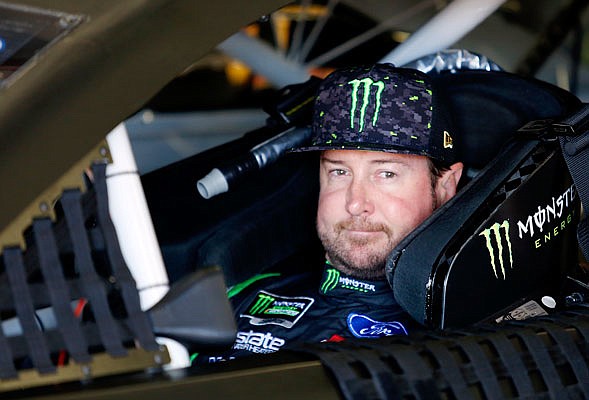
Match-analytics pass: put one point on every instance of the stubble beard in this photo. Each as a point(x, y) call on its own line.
point(356, 256)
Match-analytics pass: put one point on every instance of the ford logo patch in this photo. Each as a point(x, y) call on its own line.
point(362, 326)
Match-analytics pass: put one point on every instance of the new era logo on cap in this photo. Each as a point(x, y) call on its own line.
point(448, 143)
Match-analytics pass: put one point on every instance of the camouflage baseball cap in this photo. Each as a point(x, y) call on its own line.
point(383, 108)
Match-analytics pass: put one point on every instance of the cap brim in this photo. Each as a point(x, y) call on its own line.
point(358, 146)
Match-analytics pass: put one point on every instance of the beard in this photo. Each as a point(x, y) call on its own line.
point(360, 257)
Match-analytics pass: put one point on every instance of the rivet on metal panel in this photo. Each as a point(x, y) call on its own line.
point(86, 371)
point(44, 207)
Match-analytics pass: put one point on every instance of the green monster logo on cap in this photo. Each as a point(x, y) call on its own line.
point(366, 83)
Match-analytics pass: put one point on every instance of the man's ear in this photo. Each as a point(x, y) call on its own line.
point(447, 183)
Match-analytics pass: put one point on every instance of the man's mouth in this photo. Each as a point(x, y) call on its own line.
point(361, 228)
point(360, 231)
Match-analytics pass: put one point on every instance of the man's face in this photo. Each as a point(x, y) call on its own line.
point(368, 202)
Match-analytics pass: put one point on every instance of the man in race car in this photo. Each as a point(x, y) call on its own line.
point(386, 163)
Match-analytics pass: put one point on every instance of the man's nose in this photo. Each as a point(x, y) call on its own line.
point(358, 200)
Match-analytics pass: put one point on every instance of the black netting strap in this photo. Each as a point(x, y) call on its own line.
point(452, 373)
point(583, 228)
point(137, 319)
point(38, 350)
point(380, 375)
point(514, 364)
point(7, 369)
point(38, 295)
point(570, 351)
point(417, 372)
point(575, 149)
point(90, 281)
point(52, 270)
point(544, 364)
point(481, 366)
point(351, 386)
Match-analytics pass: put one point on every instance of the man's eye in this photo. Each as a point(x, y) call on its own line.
point(387, 174)
point(338, 172)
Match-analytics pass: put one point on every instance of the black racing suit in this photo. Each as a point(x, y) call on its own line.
point(273, 311)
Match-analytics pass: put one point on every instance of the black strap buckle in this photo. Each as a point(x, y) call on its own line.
point(546, 130)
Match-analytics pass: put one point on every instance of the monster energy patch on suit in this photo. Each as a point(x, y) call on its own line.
point(268, 308)
point(333, 279)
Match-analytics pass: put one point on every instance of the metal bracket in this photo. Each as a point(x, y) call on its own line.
point(546, 130)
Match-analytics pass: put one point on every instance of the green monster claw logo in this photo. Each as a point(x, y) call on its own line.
point(262, 303)
point(496, 238)
point(366, 83)
point(331, 281)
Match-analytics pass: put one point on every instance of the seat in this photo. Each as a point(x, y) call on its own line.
point(508, 237)
point(267, 219)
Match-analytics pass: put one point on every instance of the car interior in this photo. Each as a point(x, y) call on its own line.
point(463, 266)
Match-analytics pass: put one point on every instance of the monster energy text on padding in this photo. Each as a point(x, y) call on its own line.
point(555, 213)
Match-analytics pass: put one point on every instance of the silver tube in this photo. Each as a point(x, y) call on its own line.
point(443, 30)
point(264, 60)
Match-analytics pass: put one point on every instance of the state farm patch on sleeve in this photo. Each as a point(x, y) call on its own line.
point(362, 326)
point(268, 308)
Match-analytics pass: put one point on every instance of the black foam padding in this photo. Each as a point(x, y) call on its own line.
point(488, 107)
point(411, 265)
point(262, 220)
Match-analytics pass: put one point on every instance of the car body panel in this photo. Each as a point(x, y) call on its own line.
point(106, 69)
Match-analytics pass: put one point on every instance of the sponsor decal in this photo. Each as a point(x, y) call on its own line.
point(361, 93)
point(363, 326)
point(257, 342)
point(495, 237)
point(334, 278)
point(525, 311)
point(268, 308)
point(545, 224)
point(550, 219)
point(448, 142)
